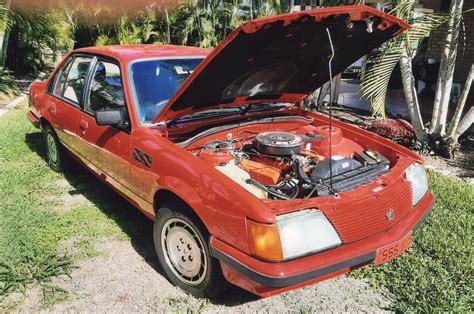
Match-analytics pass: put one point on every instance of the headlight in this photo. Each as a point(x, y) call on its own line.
point(294, 235)
point(417, 176)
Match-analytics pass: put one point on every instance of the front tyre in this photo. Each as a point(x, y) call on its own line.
point(183, 252)
point(54, 150)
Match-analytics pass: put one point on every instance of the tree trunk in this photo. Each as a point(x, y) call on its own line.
point(446, 71)
point(411, 96)
point(168, 32)
point(465, 124)
point(460, 107)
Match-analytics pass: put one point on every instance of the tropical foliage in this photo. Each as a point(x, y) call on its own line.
point(8, 84)
point(35, 32)
point(4, 16)
point(402, 50)
point(380, 65)
point(202, 24)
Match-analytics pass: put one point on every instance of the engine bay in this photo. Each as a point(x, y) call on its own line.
point(290, 163)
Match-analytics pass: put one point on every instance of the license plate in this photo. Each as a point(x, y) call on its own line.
point(393, 250)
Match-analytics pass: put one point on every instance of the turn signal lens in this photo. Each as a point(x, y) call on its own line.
point(265, 241)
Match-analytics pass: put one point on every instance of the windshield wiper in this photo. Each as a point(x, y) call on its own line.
point(242, 110)
point(205, 114)
point(262, 107)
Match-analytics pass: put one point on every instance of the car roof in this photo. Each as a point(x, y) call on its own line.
point(128, 53)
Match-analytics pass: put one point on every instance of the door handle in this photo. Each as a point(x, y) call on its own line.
point(51, 107)
point(83, 125)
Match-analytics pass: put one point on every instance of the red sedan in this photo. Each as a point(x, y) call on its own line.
point(244, 185)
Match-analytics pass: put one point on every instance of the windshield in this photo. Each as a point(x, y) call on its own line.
point(156, 81)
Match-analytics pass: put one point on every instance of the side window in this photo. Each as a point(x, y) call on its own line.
point(61, 81)
point(106, 91)
point(72, 87)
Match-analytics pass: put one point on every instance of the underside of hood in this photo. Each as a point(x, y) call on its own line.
point(282, 58)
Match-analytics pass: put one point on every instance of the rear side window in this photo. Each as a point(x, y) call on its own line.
point(72, 80)
point(106, 91)
point(61, 81)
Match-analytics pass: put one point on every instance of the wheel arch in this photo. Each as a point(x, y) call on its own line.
point(44, 122)
point(166, 196)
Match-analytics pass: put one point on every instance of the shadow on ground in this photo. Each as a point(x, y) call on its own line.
point(128, 218)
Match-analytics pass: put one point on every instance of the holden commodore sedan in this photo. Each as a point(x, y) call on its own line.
point(243, 185)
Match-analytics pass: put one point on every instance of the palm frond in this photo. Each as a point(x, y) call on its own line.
point(403, 10)
point(422, 27)
point(379, 68)
point(5, 20)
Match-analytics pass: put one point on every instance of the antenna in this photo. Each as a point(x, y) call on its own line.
point(331, 100)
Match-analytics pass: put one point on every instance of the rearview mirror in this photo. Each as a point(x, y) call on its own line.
point(113, 117)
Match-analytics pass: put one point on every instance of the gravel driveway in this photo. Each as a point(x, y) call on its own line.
point(124, 275)
point(122, 280)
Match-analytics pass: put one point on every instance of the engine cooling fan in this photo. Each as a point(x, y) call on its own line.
point(278, 143)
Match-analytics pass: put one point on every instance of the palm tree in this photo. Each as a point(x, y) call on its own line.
point(379, 67)
point(34, 31)
point(402, 50)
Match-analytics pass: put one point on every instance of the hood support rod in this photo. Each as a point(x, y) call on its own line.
point(331, 101)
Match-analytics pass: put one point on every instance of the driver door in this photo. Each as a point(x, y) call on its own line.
point(106, 148)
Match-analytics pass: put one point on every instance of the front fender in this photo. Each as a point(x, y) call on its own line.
point(219, 202)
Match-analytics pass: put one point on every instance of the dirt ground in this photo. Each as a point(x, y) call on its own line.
point(461, 167)
point(121, 280)
point(124, 276)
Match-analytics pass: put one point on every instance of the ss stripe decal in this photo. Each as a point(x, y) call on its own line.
point(142, 158)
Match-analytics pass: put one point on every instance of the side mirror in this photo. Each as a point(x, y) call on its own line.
point(113, 117)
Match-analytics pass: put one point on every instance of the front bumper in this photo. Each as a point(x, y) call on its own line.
point(265, 278)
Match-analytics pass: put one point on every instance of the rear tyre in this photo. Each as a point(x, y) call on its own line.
point(182, 246)
point(54, 150)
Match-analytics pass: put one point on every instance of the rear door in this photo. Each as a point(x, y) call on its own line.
point(106, 148)
point(65, 96)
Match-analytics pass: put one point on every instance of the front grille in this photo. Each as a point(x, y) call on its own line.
point(358, 220)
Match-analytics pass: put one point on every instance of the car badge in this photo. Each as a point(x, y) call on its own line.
point(390, 214)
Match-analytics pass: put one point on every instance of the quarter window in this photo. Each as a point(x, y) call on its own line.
point(106, 91)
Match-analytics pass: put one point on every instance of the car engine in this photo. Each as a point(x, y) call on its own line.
point(289, 165)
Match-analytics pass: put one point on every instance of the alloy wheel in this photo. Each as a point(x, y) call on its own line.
point(184, 251)
point(52, 148)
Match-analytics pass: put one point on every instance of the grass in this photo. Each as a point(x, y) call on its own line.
point(39, 239)
point(436, 274)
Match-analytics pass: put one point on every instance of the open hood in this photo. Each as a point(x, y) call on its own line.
point(282, 58)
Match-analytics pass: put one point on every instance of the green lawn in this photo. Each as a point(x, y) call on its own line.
point(40, 235)
point(40, 238)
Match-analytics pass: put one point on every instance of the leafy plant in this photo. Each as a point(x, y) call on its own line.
point(139, 29)
point(36, 31)
point(8, 84)
point(5, 21)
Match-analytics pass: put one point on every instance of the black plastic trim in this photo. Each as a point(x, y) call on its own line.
point(418, 224)
point(279, 282)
